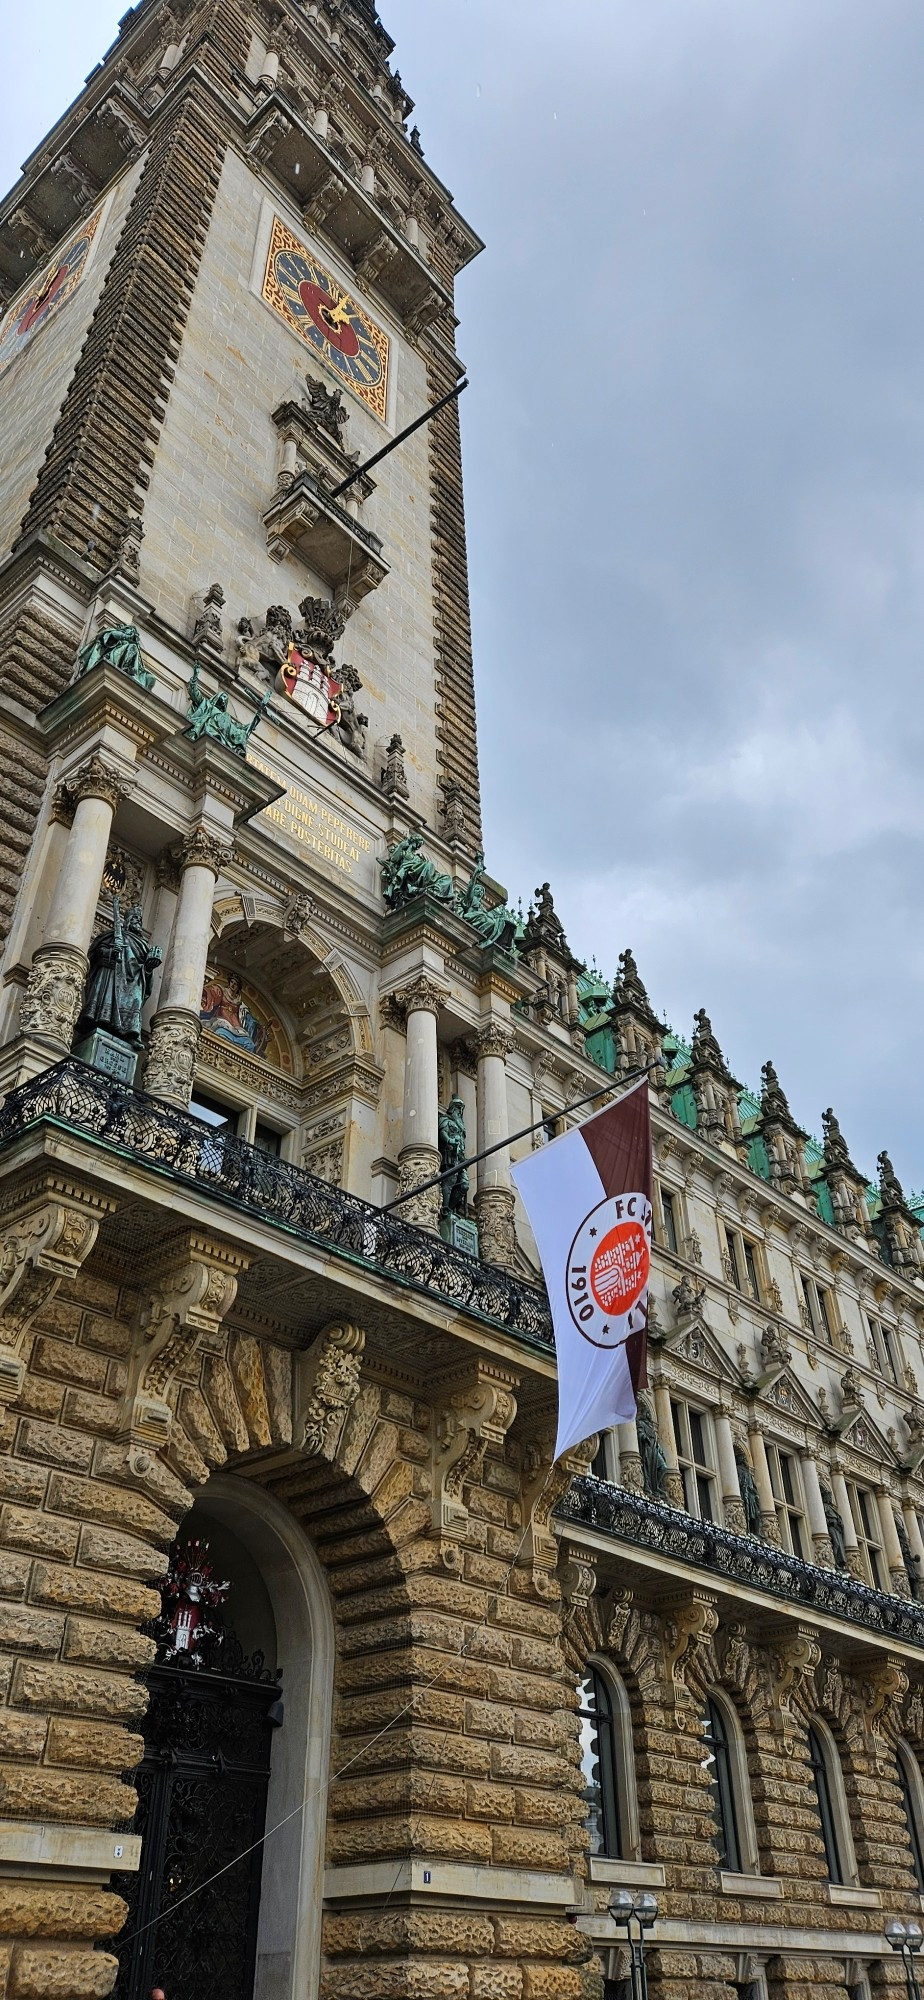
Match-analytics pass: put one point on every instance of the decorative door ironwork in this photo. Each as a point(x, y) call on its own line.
point(202, 1788)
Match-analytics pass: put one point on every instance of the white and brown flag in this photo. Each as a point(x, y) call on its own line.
point(588, 1198)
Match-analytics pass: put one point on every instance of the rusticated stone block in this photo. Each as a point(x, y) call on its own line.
point(26, 1631)
point(431, 1706)
point(450, 1839)
point(80, 1799)
point(89, 1412)
point(37, 1398)
point(60, 1975)
point(443, 1931)
point(55, 1910)
point(14, 1576)
point(85, 1590)
point(24, 1484)
point(532, 1767)
point(99, 1746)
point(39, 1534)
point(61, 1316)
point(401, 1979)
point(156, 1482)
point(551, 1982)
point(537, 1656)
point(544, 1732)
point(543, 1694)
point(526, 1937)
point(109, 1335)
point(401, 1789)
point(49, 1443)
point(100, 1548)
point(497, 1982)
point(111, 1506)
point(492, 1803)
point(488, 1718)
point(57, 1687)
point(527, 1847)
point(106, 1645)
point(75, 1366)
point(21, 1735)
point(551, 1809)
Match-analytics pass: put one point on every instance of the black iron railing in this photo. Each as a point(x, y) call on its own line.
point(743, 1559)
point(174, 1143)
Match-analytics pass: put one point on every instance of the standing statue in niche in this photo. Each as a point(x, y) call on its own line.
point(651, 1451)
point(452, 1153)
point(122, 966)
point(835, 1528)
point(750, 1498)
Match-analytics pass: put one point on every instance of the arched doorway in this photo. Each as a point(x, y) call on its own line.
point(233, 1747)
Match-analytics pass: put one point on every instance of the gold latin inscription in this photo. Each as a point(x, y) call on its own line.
point(314, 825)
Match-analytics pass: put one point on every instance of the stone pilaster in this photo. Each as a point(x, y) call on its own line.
point(494, 1201)
point(176, 1027)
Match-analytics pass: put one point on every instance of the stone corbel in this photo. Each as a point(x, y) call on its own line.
point(545, 1481)
point(327, 1381)
point(690, 1622)
point(577, 1576)
point(884, 1685)
point(188, 1301)
point(477, 1408)
point(793, 1657)
point(46, 1235)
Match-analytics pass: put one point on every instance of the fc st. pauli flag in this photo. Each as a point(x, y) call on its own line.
point(588, 1198)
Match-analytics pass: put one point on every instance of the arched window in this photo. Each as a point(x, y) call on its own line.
point(832, 1804)
point(912, 1790)
point(607, 1764)
point(719, 1764)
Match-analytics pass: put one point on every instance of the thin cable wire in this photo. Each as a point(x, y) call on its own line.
point(326, 1785)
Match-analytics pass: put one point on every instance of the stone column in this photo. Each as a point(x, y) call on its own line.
point(630, 1458)
point(762, 1482)
point(842, 1503)
point(420, 1152)
point(54, 993)
point(732, 1504)
point(915, 1540)
point(494, 1199)
point(815, 1507)
point(892, 1547)
point(176, 1027)
point(674, 1481)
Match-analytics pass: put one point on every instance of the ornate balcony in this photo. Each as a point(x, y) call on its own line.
point(739, 1559)
point(303, 518)
point(76, 1099)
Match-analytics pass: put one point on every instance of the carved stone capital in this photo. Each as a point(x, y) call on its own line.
point(98, 780)
point(45, 1235)
point(475, 1413)
point(327, 1385)
point(201, 849)
point(190, 1299)
point(172, 1051)
point(495, 1039)
point(54, 995)
point(497, 1235)
point(423, 994)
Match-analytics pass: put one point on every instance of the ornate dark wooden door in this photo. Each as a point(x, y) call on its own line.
point(194, 1904)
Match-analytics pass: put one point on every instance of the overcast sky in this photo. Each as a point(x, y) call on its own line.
point(695, 471)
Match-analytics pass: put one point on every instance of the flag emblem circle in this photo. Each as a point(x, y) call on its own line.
point(608, 1268)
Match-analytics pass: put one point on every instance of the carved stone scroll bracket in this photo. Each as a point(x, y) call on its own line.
point(188, 1301)
point(884, 1684)
point(327, 1381)
point(544, 1484)
point(577, 1577)
point(473, 1414)
point(45, 1236)
point(690, 1622)
point(793, 1656)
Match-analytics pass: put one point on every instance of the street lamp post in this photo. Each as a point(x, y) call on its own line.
point(635, 1915)
point(906, 1939)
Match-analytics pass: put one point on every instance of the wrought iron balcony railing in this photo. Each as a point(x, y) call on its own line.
point(742, 1559)
point(171, 1142)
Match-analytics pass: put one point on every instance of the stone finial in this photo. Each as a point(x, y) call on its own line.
point(835, 1145)
point(452, 810)
point(890, 1186)
point(773, 1100)
point(207, 607)
point(705, 1048)
point(128, 549)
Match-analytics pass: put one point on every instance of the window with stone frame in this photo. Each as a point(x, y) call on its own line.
point(911, 1786)
point(741, 1262)
point(884, 1350)
point(669, 1219)
point(831, 1800)
point(789, 1500)
point(695, 1449)
point(868, 1528)
point(817, 1309)
point(607, 1764)
point(725, 1764)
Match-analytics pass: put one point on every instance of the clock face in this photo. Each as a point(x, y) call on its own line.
point(46, 293)
point(316, 306)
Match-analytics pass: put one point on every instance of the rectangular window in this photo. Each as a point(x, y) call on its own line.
point(741, 1263)
point(693, 1442)
point(790, 1510)
point(884, 1349)
point(869, 1536)
point(267, 1140)
point(669, 1214)
point(816, 1306)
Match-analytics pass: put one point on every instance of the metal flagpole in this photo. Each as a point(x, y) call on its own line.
point(449, 1173)
point(427, 418)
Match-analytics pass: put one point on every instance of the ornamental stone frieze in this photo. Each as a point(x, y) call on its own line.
point(188, 1302)
point(46, 1235)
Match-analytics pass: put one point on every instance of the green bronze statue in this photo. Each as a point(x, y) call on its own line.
point(452, 1154)
point(122, 966)
point(494, 927)
point(116, 646)
point(209, 715)
point(407, 873)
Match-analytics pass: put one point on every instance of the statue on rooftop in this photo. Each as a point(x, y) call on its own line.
point(209, 715)
point(116, 646)
point(122, 966)
point(494, 927)
point(406, 873)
